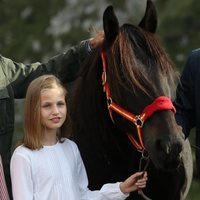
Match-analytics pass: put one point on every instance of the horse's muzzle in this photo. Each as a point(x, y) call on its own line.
point(169, 153)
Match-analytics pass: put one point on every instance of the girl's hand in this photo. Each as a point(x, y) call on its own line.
point(134, 182)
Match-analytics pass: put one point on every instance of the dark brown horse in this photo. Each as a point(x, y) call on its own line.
point(123, 115)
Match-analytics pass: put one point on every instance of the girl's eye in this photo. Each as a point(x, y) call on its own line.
point(61, 103)
point(46, 105)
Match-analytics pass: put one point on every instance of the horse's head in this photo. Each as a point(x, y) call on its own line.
point(140, 83)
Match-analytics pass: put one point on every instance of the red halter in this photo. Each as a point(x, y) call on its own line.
point(160, 103)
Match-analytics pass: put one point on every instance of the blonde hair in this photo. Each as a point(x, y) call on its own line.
point(32, 120)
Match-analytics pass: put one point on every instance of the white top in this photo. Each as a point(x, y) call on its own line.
point(55, 172)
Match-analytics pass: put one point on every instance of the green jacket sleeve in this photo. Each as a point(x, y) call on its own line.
point(65, 65)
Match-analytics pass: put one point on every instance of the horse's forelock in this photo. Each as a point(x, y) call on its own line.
point(142, 58)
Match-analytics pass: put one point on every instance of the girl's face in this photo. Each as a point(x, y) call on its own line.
point(53, 108)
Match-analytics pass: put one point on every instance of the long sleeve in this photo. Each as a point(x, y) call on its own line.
point(108, 191)
point(65, 65)
point(185, 96)
point(22, 185)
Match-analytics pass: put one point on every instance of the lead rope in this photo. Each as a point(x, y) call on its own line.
point(143, 158)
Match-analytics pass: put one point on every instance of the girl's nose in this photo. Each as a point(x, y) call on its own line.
point(55, 110)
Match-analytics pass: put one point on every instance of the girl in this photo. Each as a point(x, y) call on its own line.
point(47, 165)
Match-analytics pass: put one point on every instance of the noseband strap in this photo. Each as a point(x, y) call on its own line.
point(160, 103)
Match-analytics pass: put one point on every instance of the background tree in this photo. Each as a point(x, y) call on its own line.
point(179, 27)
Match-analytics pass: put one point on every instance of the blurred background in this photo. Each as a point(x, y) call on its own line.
point(35, 30)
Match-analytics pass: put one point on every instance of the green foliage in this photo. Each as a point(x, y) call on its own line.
point(180, 28)
point(23, 25)
point(194, 191)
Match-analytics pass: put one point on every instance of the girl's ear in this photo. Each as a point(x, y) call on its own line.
point(149, 21)
point(110, 25)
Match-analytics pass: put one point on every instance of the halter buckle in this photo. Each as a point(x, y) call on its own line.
point(109, 101)
point(139, 121)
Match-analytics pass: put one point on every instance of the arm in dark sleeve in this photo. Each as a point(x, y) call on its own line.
point(65, 65)
point(185, 95)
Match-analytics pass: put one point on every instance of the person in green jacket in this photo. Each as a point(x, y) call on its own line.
point(15, 78)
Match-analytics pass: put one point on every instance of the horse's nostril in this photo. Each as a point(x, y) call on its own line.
point(163, 147)
point(168, 148)
point(176, 147)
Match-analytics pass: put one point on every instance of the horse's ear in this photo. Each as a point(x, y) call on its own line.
point(110, 25)
point(149, 21)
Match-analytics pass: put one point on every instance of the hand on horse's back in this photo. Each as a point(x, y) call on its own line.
point(97, 40)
